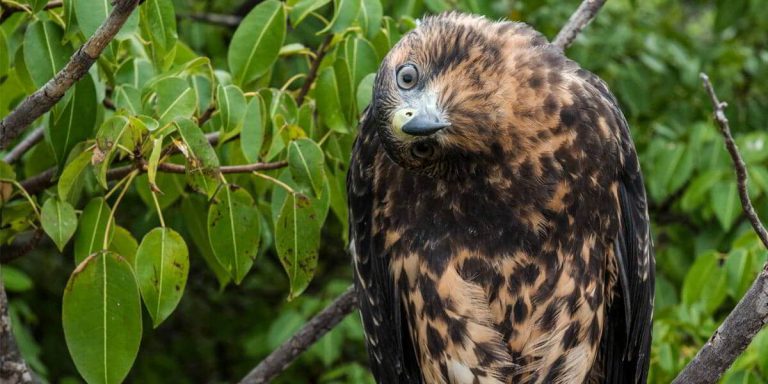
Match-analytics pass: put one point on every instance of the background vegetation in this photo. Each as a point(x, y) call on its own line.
point(171, 78)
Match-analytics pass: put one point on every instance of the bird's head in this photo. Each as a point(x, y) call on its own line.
point(442, 94)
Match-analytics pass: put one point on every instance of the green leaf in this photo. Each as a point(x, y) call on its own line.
point(725, 203)
point(72, 176)
point(171, 187)
point(127, 98)
point(194, 208)
point(233, 230)
point(328, 103)
point(257, 41)
point(92, 229)
point(303, 8)
point(44, 54)
point(740, 265)
point(307, 164)
point(135, 72)
point(361, 59)
point(705, 283)
point(175, 98)
point(74, 121)
point(344, 14)
point(115, 130)
point(59, 221)
point(231, 103)
point(5, 58)
point(101, 315)
point(92, 13)
point(252, 135)
point(123, 243)
point(158, 22)
point(15, 280)
point(202, 163)
point(297, 240)
point(371, 13)
point(162, 266)
point(365, 92)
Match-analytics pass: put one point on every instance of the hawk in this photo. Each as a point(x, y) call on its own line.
point(498, 218)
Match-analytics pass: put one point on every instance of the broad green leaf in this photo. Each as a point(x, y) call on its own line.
point(175, 98)
point(115, 130)
point(92, 229)
point(257, 41)
point(202, 163)
point(344, 88)
point(158, 22)
point(44, 54)
point(307, 164)
point(740, 266)
point(301, 9)
point(328, 103)
point(705, 283)
point(297, 240)
point(162, 266)
point(252, 135)
point(92, 13)
point(361, 59)
point(154, 160)
point(233, 230)
point(279, 195)
point(371, 13)
point(72, 176)
point(725, 203)
point(171, 187)
point(194, 208)
point(70, 22)
point(74, 121)
point(232, 110)
point(123, 243)
point(15, 280)
point(344, 14)
point(365, 92)
point(128, 98)
point(101, 315)
point(135, 71)
point(59, 221)
point(5, 59)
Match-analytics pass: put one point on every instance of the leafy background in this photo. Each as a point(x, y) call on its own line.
point(227, 297)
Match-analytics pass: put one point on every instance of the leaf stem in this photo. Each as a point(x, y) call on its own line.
point(276, 182)
point(111, 220)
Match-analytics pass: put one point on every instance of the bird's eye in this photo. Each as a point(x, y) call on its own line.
point(422, 150)
point(407, 76)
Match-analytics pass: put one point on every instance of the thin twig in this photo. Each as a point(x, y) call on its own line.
point(313, 67)
point(222, 20)
point(25, 145)
point(751, 313)
point(9, 9)
point(46, 97)
point(578, 20)
point(280, 358)
point(13, 368)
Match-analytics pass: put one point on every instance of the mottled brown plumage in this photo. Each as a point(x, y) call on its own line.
point(498, 216)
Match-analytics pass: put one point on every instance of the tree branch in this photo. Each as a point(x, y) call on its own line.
point(280, 358)
point(222, 20)
point(578, 20)
point(25, 145)
point(751, 313)
point(13, 368)
point(46, 97)
point(313, 67)
point(23, 243)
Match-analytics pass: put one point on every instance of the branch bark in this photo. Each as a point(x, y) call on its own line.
point(280, 358)
point(222, 20)
point(13, 368)
point(46, 97)
point(751, 313)
point(578, 21)
point(313, 67)
point(25, 145)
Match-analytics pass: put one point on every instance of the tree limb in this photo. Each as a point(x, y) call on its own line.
point(25, 145)
point(313, 67)
point(280, 358)
point(222, 20)
point(46, 97)
point(23, 243)
point(578, 20)
point(751, 313)
point(13, 368)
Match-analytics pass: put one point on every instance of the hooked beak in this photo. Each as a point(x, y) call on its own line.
point(418, 123)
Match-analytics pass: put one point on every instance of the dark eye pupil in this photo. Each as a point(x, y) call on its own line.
point(407, 78)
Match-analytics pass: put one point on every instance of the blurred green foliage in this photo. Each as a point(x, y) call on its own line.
point(169, 68)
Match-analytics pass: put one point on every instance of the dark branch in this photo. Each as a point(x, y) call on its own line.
point(222, 20)
point(751, 313)
point(25, 145)
point(13, 368)
point(313, 67)
point(578, 20)
point(280, 358)
point(24, 243)
point(46, 97)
